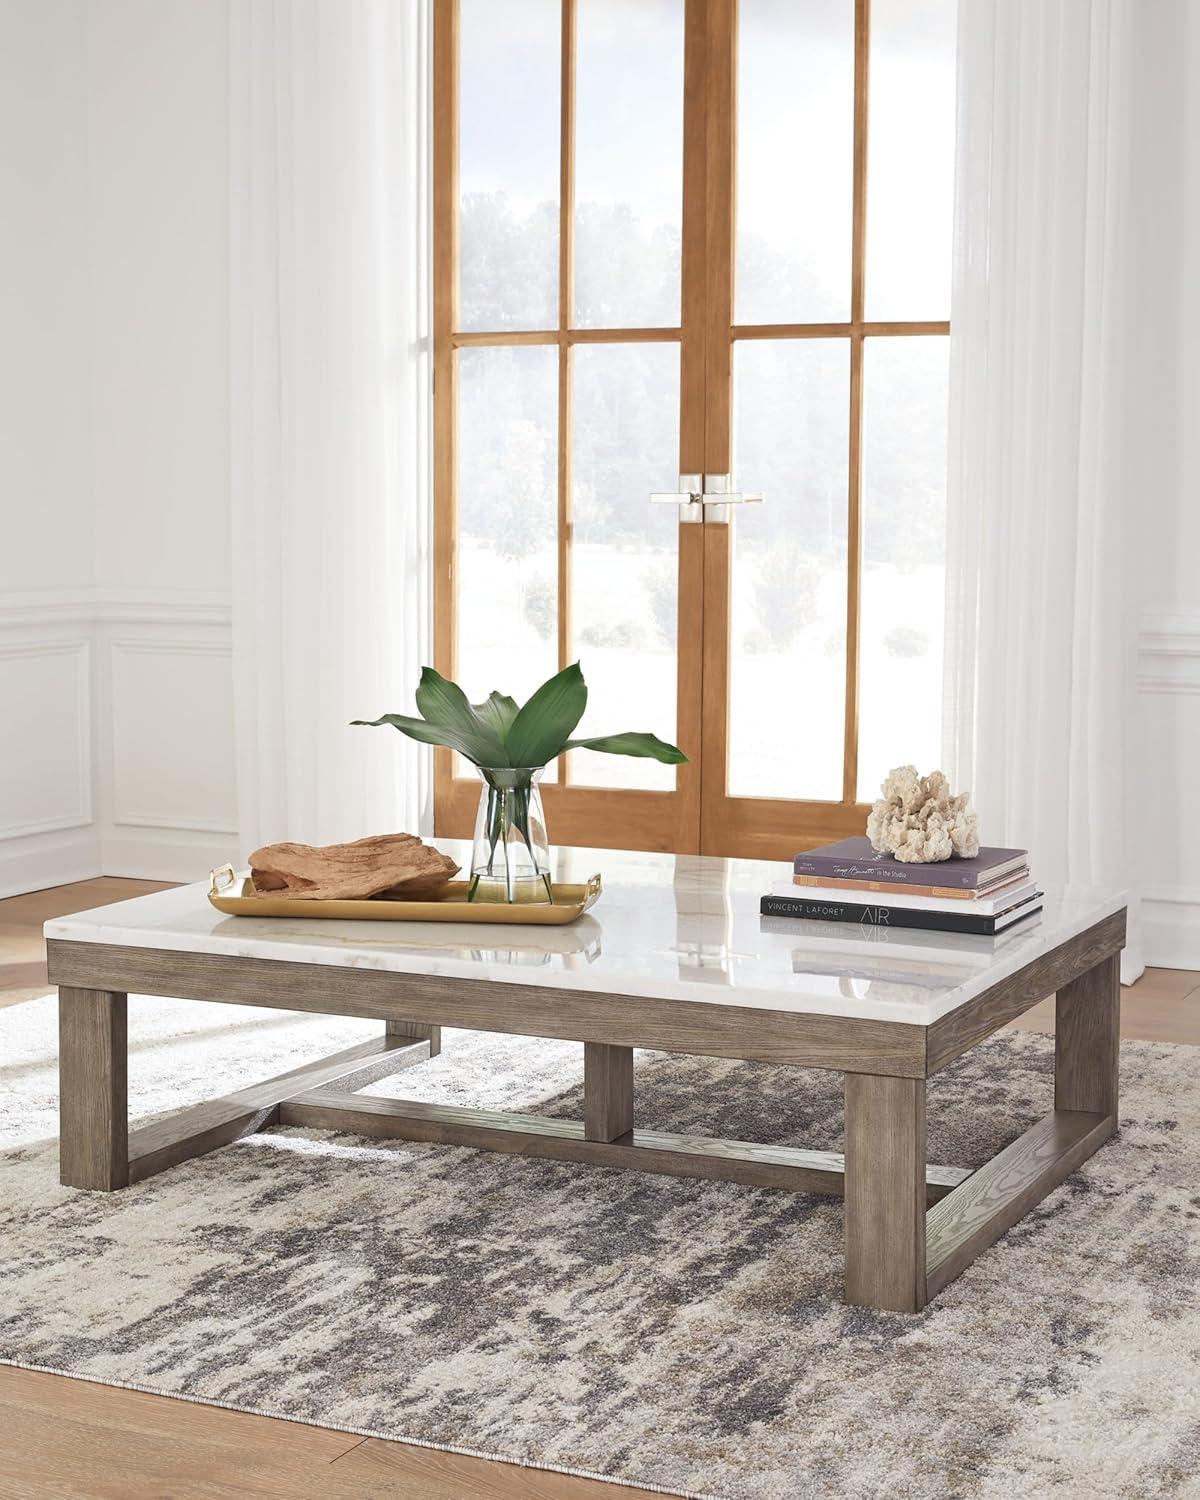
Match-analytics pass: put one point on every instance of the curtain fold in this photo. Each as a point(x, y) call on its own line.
point(330, 412)
point(1047, 388)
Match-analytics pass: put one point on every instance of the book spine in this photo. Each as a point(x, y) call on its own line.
point(941, 892)
point(877, 915)
point(898, 875)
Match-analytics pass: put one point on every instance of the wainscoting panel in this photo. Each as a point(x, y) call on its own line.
point(119, 754)
point(1167, 834)
point(1171, 926)
point(169, 802)
point(172, 720)
point(46, 785)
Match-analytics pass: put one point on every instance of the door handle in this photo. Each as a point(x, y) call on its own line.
point(690, 492)
point(698, 491)
point(719, 490)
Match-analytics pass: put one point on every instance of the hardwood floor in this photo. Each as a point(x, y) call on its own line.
point(80, 1441)
point(22, 947)
point(1163, 1006)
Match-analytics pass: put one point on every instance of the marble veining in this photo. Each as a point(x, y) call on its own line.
point(680, 926)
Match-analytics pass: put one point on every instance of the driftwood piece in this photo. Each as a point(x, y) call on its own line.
point(396, 863)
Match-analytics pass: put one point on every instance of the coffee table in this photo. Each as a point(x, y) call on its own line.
point(676, 957)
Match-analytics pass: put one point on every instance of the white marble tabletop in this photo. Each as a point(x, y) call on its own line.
point(681, 926)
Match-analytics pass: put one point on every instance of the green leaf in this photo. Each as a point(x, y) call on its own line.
point(495, 803)
point(497, 711)
point(541, 728)
point(426, 733)
point(648, 745)
point(442, 702)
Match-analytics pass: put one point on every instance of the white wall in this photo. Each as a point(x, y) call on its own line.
point(44, 324)
point(47, 764)
point(160, 451)
point(1170, 638)
point(114, 560)
point(160, 185)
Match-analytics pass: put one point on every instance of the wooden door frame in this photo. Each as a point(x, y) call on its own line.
point(774, 827)
point(700, 814)
point(609, 817)
point(766, 827)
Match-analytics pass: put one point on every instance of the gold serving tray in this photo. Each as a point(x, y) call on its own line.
point(450, 905)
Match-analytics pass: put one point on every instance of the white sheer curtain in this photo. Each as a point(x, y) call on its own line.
point(1047, 395)
point(329, 236)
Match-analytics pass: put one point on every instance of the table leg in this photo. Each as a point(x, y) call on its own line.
point(607, 1091)
point(93, 1131)
point(1087, 1034)
point(1002, 1192)
point(418, 1031)
point(885, 1192)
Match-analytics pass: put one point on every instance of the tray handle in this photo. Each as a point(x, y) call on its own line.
point(592, 892)
point(221, 878)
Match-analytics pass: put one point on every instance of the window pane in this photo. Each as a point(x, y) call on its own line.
point(795, 160)
point(624, 581)
point(628, 162)
point(788, 649)
point(509, 65)
point(905, 394)
point(910, 177)
point(507, 520)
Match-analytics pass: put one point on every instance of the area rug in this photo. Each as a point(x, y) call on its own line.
point(687, 1336)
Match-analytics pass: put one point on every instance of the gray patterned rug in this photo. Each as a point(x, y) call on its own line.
point(681, 1335)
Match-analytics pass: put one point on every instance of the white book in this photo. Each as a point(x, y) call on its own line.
point(984, 906)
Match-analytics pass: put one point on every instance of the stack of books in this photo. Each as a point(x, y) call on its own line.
point(849, 882)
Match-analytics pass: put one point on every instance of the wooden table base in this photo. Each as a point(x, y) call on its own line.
point(568, 1140)
point(96, 1148)
point(898, 1253)
point(910, 1227)
point(97, 1151)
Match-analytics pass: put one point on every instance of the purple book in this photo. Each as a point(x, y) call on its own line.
point(854, 859)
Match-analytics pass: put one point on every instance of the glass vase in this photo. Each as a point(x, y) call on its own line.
point(510, 860)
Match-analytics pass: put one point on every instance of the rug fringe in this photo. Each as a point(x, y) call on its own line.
point(364, 1432)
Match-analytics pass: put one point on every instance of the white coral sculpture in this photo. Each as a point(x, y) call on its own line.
point(919, 820)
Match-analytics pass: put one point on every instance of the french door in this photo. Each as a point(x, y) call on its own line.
point(690, 382)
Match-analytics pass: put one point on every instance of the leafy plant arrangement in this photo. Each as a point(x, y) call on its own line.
point(510, 745)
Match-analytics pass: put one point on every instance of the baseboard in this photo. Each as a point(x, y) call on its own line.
point(1171, 927)
point(182, 855)
point(45, 860)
